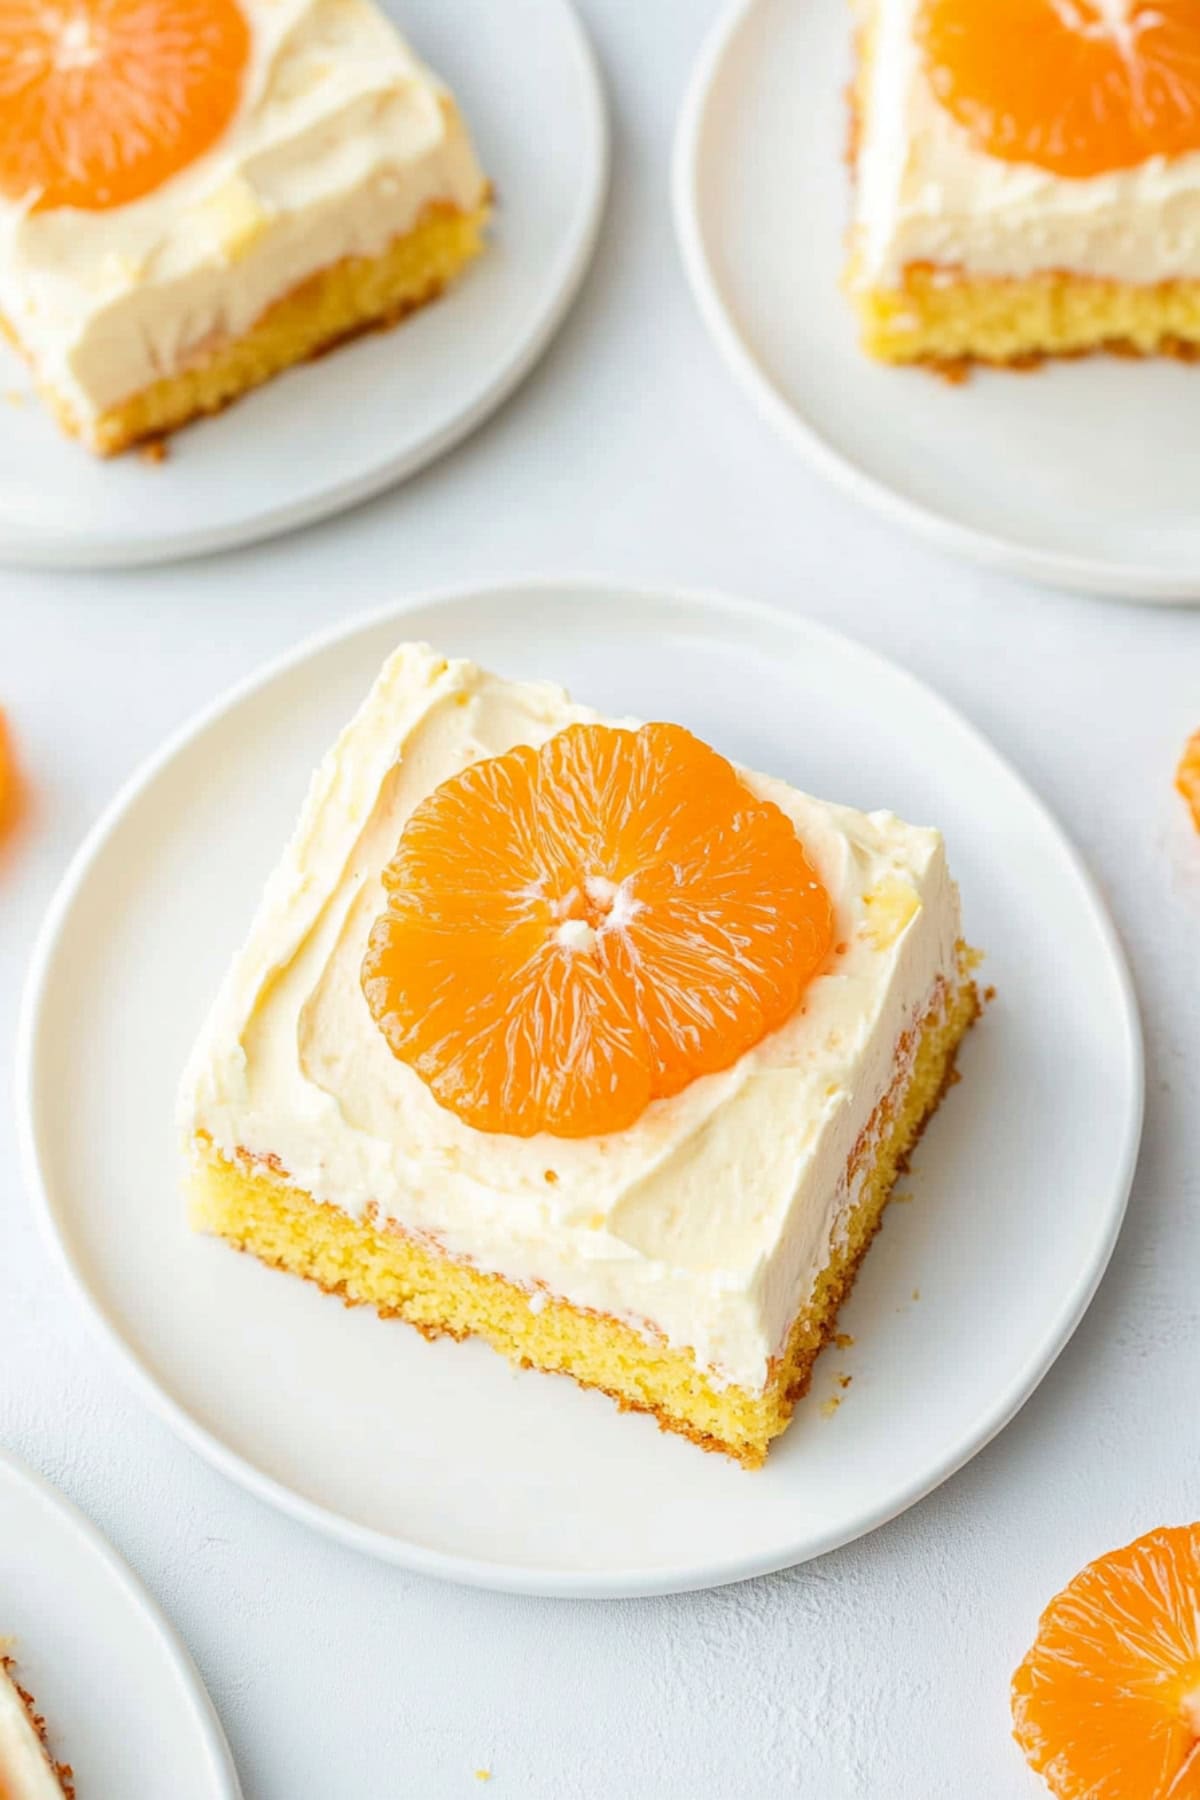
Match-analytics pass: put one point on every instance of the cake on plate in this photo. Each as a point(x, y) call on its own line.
point(196, 194)
point(1027, 179)
point(569, 1033)
point(27, 1768)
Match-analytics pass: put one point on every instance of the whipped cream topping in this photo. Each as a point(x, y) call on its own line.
point(25, 1771)
point(925, 194)
point(341, 141)
point(708, 1219)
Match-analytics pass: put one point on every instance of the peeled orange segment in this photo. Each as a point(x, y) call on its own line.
point(1187, 776)
point(1106, 1706)
point(576, 931)
point(9, 783)
point(1079, 87)
point(101, 101)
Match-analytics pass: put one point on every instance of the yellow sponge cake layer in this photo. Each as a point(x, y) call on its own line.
point(944, 318)
point(405, 1277)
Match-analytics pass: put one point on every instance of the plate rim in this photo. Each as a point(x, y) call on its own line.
point(692, 604)
point(133, 1588)
point(1143, 583)
point(90, 552)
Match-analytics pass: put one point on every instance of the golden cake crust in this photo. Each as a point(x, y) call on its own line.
point(253, 1206)
point(63, 1771)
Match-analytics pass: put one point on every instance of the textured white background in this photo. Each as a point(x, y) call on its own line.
point(881, 1672)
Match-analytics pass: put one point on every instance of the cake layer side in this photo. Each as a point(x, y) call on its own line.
point(401, 1275)
point(946, 318)
point(354, 295)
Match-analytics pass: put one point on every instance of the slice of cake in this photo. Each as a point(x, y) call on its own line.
point(195, 194)
point(570, 1034)
point(1027, 179)
point(27, 1768)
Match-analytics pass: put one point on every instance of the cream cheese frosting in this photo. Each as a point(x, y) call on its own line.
point(25, 1771)
point(708, 1219)
point(341, 141)
point(926, 194)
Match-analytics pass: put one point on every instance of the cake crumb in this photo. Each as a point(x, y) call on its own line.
point(989, 994)
point(551, 1176)
point(844, 1381)
point(916, 1294)
point(154, 451)
point(830, 1406)
point(483, 1774)
point(843, 1340)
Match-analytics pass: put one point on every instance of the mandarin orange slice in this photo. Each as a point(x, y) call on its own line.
point(575, 931)
point(101, 101)
point(1187, 776)
point(9, 781)
point(1106, 1706)
point(1078, 87)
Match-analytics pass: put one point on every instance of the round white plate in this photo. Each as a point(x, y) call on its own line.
point(440, 1456)
point(1081, 475)
point(337, 430)
point(120, 1694)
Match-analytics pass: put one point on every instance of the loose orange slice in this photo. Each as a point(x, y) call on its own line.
point(101, 101)
point(1106, 1706)
point(1187, 776)
point(9, 782)
point(576, 931)
point(1076, 86)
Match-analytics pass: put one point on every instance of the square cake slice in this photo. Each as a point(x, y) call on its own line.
point(229, 188)
point(569, 1033)
point(1027, 179)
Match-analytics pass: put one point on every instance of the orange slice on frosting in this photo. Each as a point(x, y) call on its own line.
point(574, 932)
point(1078, 87)
point(101, 101)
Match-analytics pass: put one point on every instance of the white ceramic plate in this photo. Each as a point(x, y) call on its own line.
point(120, 1693)
point(335, 431)
point(1082, 475)
point(439, 1456)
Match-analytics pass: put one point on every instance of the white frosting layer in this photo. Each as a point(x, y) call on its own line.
point(925, 194)
point(341, 141)
point(25, 1772)
point(709, 1218)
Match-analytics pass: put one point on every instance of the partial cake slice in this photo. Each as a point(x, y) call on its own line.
point(568, 1033)
point(196, 194)
point(1027, 179)
point(27, 1768)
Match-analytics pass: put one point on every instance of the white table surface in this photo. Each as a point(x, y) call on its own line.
point(880, 1672)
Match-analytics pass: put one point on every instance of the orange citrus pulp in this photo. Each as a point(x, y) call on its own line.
point(1078, 87)
point(9, 784)
point(1106, 1706)
point(1187, 776)
point(102, 100)
point(575, 931)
